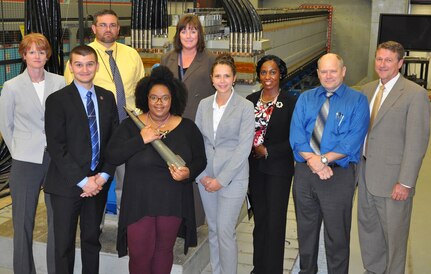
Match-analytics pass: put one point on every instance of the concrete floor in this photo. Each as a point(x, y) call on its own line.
point(419, 246)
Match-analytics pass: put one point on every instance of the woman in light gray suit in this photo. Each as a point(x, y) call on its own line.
point(226, 121)
point(22, 108)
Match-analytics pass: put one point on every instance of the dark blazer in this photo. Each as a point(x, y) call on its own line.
point(280, 156)
point(197, 78)
point(68, 138)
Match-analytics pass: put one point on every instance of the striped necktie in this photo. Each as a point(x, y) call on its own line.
point(316, 137)
point(92, 121)
point(119, 87)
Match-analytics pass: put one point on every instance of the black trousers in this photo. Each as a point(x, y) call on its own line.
point(328, 200)
point(269, 199)
point(90, 211)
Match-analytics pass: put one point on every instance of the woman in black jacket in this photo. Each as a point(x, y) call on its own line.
point(271, 165)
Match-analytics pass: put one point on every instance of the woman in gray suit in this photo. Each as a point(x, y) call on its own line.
point(226, 121)
point(22, 108)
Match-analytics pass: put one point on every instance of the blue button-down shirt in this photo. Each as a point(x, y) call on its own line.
point(83, 94)
point(345, 128)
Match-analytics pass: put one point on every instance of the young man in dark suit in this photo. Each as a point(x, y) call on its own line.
point(79, 121)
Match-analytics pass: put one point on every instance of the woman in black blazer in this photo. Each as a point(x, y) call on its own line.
point(271, 165)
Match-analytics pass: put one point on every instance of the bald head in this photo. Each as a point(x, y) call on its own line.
point(331, 71)
point(331, 57)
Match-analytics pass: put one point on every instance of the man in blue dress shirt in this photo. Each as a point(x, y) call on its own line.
point(326, 150)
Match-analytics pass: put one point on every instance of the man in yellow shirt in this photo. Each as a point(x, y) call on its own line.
point(120, 68)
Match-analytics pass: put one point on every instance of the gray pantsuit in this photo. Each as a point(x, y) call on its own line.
point(22, 121)
point(25, 181)
point(222, 209)
point(227, 161)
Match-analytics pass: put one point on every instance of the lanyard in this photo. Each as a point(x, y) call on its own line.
point(181, 66)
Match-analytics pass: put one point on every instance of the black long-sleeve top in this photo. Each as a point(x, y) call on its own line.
point(149, 189)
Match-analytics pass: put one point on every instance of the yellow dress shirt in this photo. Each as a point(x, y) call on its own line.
point(129, 63)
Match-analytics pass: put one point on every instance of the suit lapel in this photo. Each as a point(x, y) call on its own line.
point(195, 65)
point(230, 108)
point(207, 120)
point(173, 64)
point(47, 91)
point(392, 97)
point(78, 105)
point(102, 109)
point(370, 92)
point(275, 113)
point(32, 94)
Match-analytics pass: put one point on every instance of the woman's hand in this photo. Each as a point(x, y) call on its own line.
point(259, 151)
point(211, 184)
point(150, 134)
point(180, 173)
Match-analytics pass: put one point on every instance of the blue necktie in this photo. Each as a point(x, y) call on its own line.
point(316, 137)
point(119, 87)
point(92, 121)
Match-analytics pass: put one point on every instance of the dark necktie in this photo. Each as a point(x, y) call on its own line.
point(119, 87)
point(92, 121)
point(316, 137)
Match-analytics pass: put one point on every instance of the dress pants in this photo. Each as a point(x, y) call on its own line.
point(222, 209)
point(67, 210)
point(25, 181)
point(269, 197)
point(383, 226)
point(328, 200)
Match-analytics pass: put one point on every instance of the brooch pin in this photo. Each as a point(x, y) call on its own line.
point(279, 104)
point(163, 133)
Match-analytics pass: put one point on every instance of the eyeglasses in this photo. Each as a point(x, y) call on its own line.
point(164, 99)
point(105, 26)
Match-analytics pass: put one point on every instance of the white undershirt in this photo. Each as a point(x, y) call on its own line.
point(40, 89)
point(218, 112)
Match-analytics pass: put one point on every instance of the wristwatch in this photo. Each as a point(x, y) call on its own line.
point(324, 160)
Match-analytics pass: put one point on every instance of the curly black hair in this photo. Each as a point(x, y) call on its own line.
point(161, 75)
point(280, 63)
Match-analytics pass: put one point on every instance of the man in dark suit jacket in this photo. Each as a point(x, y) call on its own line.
point(77, 189)
point(396, 144)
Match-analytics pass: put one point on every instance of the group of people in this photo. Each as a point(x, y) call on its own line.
point(72, 136)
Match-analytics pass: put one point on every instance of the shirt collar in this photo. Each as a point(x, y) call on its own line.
point(215, 105)
point(338, 92)
point(391, 83)
point(83, 91)
point(102, 48)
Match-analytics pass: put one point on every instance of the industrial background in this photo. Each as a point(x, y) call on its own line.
point(297, 31)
